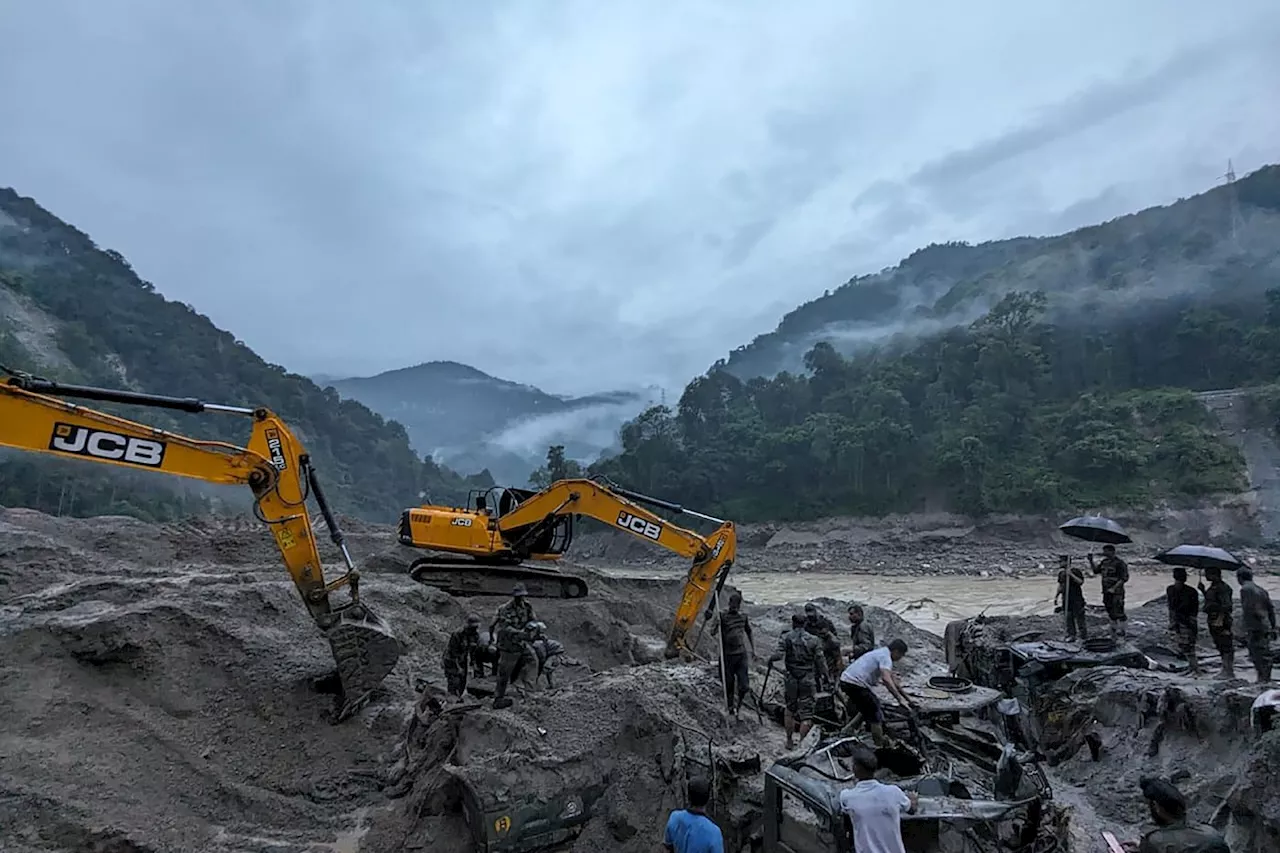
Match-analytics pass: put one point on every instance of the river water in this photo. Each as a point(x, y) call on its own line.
point(929, 601)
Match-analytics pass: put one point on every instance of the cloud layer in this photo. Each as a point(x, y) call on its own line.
point(585, 195)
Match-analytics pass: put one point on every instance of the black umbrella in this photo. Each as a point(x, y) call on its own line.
point(1095, 528)
point(1200, 557)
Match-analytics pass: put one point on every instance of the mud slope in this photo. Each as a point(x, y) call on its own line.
point(158, 687)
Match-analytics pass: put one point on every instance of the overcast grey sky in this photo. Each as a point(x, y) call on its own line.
point(592, 194)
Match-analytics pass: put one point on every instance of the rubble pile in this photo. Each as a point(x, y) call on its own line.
point(597, 764)
point(1103, 719)
point(162, 688)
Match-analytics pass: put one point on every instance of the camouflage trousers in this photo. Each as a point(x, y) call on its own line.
point(1187, 633)
point(1076, 624)
point(1259, 645)
point(1223, 640)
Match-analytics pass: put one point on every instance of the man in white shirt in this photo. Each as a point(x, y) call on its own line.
point(875, 809)
point(860, 677)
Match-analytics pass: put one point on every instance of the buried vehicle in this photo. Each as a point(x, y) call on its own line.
point(962, 752)
point(958, 810)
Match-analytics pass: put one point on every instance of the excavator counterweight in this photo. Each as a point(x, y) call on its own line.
point(275, 466)
point(484, 546)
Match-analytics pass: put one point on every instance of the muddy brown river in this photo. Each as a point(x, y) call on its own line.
point(929, 601)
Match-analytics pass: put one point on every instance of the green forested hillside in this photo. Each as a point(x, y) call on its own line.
point(1227, 238)
point(1026, 408)
point(74, 312)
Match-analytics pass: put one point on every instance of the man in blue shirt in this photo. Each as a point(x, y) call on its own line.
point(690, 830)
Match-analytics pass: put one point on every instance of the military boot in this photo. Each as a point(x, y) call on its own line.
point(1229, 665)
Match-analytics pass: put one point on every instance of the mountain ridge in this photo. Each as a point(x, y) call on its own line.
point(1042, 374)
point(79, 313)
point(953, 283)
point(472, 419)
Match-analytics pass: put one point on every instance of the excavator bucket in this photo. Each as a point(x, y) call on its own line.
point(366, 651)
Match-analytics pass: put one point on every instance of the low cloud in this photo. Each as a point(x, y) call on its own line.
point(579, 195)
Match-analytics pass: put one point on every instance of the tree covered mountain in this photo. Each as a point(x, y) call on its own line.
point(74, 312)
point(474, 421)
point(1221, 240)
point(1070, 388)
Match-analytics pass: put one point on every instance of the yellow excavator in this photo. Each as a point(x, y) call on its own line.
point(275, 466)
point(503, 527)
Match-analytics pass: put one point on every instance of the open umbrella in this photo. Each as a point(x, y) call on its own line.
point(1200, 557)
point(1095, 528)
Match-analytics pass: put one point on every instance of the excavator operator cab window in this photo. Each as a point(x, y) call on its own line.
point(481, 505)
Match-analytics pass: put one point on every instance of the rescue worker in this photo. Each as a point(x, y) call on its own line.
point(1184, 616)
point(864, 639)
point(1115, 574)
point(1071, 591)
point(514, 652)
point(1258, 616)
point(547, 651)
point(806, 667)
point(1172, 833)
point(859, 679)
point(459, 654)
point(734, 630)
point(1217, 613)
point(825, 630)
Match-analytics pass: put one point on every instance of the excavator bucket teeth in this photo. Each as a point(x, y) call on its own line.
point(366, 651)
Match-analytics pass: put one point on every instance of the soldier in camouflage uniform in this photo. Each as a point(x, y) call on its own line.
point(805, 666)
point(736, 645)
point(1172, 833)
point(1184, 616)
point(1071, 592)
point(1258, 617)
point(459, 653)
point(825, 630)
point(1115, 574)
point(861, 635)
point(1217, 612)
point(515, 654)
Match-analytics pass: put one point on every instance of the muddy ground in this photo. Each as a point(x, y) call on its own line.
point(161, 689)
point(945, 543)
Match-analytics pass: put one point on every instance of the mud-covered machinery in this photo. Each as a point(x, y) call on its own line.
point(502, 528)
point(956, 773)
point(275, 466)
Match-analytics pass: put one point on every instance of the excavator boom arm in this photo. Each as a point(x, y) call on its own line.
point(275, 466)
point(589, 498)
point(712, 555)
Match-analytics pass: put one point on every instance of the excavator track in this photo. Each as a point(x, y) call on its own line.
point(468, 577)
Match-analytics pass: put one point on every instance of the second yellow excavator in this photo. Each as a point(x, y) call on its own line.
point(274, 466)
point(504, 527)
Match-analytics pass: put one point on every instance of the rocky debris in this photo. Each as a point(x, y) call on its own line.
point(1195, 732)
point(603, 760)
point(1103, 727)
point(945, 543)
point(163, 689)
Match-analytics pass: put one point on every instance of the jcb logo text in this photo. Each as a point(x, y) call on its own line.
point(276, 448)
point(639, 526)
point(100, 444)
point(461, 522)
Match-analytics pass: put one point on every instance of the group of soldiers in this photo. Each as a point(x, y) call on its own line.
point(518, 650)
point(811, 654)
point(1115, 574)
point(1258, 614)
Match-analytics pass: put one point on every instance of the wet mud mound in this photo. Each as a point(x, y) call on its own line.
point(1194, 732)
point(770, 622)
point(174, 722)
point(604, 758)
point(162, 687)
